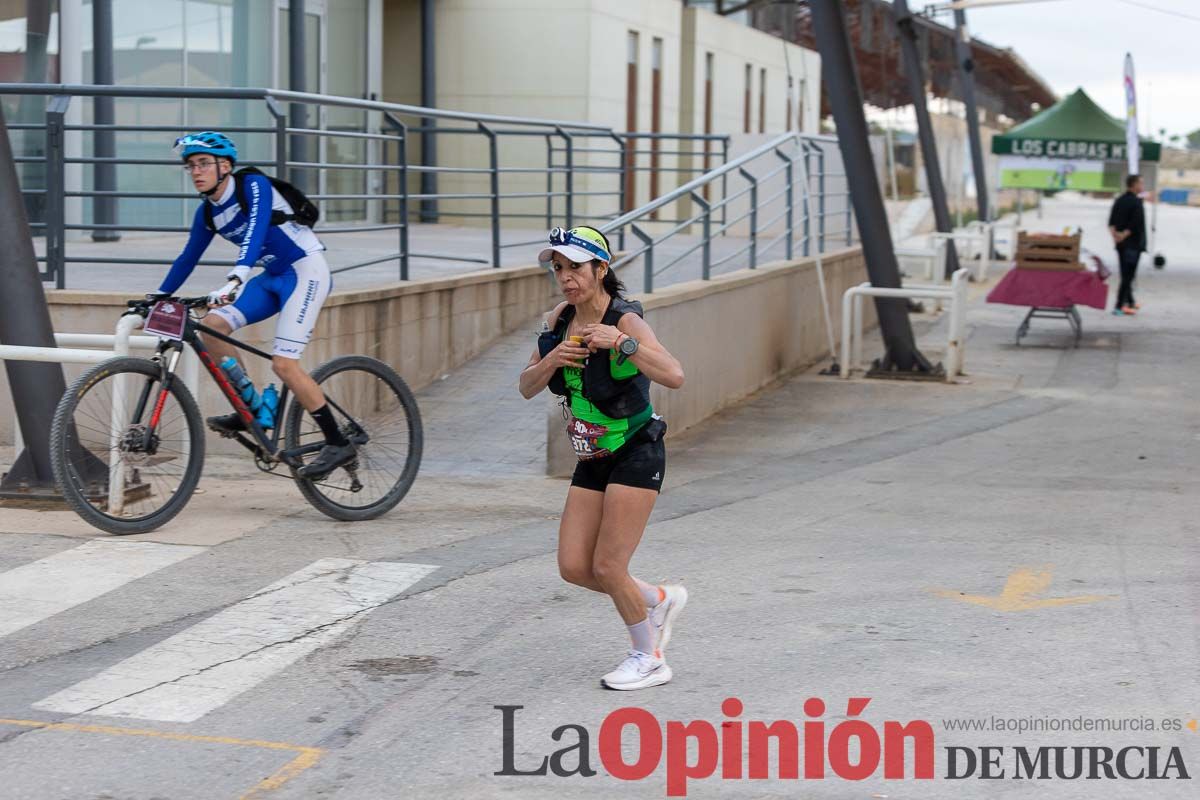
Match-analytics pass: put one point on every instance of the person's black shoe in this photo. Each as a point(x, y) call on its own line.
point(330, 458)
point(227, 424)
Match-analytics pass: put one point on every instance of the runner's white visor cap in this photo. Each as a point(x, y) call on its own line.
point(571, 251)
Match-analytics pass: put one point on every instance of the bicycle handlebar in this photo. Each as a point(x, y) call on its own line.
point(143, 305)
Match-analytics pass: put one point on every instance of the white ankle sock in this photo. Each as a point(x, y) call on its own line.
point(651, 595)
point(642, 635)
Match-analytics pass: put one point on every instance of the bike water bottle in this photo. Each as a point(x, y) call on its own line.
point(241, 383)
point(270, 404)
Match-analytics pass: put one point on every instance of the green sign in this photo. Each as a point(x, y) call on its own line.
point(1047, 173)
point(1070, 149)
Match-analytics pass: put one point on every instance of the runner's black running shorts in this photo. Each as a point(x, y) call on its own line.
point(641, 463)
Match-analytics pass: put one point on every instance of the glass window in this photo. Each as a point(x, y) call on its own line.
point(347, 77)
point(29, 54)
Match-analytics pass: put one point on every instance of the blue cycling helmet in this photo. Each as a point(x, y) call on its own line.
point(211, 142)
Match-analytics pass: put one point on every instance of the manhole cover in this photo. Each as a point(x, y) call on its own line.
point(399, 665)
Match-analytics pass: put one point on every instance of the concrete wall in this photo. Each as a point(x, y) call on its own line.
point(758, 325)
point(423, 329)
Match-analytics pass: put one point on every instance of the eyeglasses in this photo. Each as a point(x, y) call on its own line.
point(199, 166)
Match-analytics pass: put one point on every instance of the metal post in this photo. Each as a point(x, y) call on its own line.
point(429, 182)
point(820, 198)
point(647, 259)
point(891, 157)
point(791, 204)
point(56, 206)
point(494, 175)
point(849, 216)
point(966, 78)
point(621, 189)
point(402, 155)
point(753, 216)
point(549, 182)
point(55, 190)
point(915, 74)
point(297, 83)
point(807, 207)
point(104, 172)
point(570, 166)
point(845, 97)
point(281, 151)
point(724, 186)
point(25, 320)
point(706, 247)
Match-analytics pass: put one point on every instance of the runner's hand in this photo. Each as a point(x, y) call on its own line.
point(567, 354)
point(601, 337)
point(225, 295)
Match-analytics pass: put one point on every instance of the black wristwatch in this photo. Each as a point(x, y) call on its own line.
point(627, 348)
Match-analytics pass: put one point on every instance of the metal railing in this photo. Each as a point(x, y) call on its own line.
point(506, 170)
point(784, 198)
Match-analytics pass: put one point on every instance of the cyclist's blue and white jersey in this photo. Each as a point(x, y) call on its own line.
point(275, 247)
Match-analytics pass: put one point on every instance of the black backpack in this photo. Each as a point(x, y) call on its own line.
point(305, 211)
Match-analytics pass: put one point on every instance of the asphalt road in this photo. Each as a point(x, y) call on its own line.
point(1017, 550)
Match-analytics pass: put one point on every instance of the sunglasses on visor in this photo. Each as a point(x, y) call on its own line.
point(562, 236)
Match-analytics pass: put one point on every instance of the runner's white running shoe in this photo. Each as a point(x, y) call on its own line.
point(663, 615)
point(638, 671)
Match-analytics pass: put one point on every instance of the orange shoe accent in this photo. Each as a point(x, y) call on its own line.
point(1130, 311)
point(662, 594)
point(658, 653)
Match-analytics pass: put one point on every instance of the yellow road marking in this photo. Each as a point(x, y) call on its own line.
point(1020, 590)
point(307, 756)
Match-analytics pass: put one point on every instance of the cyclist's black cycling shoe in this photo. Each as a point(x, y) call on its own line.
point(227, 424)
point(330, 458)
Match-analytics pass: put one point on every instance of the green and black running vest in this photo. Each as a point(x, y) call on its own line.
point(609, 402)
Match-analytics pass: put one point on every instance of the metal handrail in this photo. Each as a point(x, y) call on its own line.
point(233, 93)
point(799, 149)
point(385, 167)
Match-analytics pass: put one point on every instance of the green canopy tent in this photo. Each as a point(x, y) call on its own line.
point(1075, 128)
point(1074, 144)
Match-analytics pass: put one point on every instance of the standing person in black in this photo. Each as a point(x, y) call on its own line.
point(1127, 224)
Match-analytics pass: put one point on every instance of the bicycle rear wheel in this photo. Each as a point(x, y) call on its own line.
point(112, 469)
point(375, 409)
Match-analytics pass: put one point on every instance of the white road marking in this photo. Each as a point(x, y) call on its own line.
point(205, 666)
point(51, 585)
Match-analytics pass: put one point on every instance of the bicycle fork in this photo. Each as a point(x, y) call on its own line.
point(130, 435)
point(168, 377)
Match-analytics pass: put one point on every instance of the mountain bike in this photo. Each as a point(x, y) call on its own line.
point(127, 443)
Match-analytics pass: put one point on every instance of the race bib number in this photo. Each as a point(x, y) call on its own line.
point(167, 319)
point(584, 437)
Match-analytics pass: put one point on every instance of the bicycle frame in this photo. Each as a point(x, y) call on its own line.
point(264, 447)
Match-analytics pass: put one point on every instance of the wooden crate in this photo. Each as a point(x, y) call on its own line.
point(1065, 266)
point(1047, 248)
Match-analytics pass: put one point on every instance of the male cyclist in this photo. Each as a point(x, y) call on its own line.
point(294, 283)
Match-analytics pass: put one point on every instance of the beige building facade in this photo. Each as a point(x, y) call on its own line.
point(650, 66)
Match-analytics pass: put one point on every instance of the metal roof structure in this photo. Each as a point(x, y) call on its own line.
point(1004, 83)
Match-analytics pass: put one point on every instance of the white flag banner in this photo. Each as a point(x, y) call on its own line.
point(1132, 149)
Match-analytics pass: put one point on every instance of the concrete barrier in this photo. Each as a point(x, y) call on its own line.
point(734, 335)
point(422, 328)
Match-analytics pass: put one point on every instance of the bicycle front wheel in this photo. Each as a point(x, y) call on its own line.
point(376, 410)
point(125, 458)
